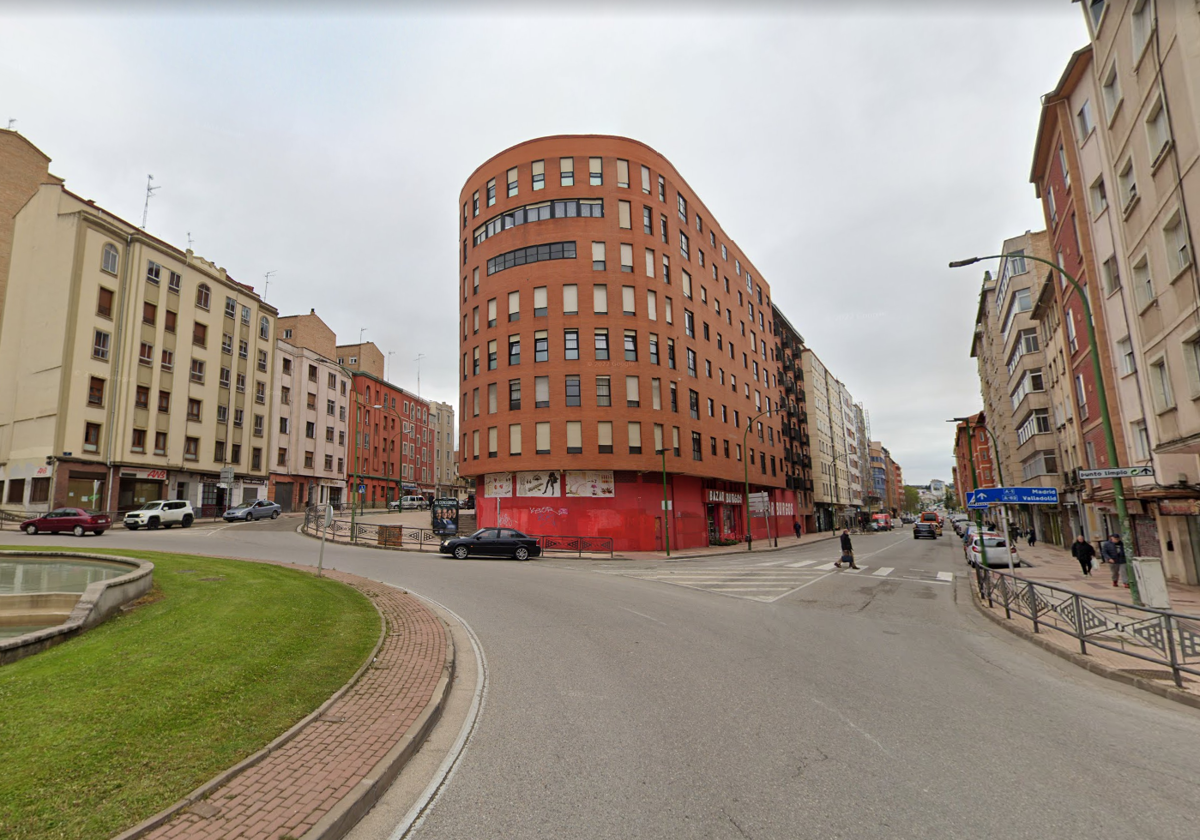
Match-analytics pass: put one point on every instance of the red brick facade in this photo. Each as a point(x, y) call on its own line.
point(392, 451)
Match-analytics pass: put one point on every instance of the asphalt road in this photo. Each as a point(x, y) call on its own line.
point(761, 696)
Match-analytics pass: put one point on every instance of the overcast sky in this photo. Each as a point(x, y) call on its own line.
point(851, 149)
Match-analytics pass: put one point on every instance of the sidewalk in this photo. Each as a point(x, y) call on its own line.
point(1055, 566)
point(760, 547)
point(316, 780)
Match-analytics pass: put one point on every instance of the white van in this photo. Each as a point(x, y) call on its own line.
point(409, 503)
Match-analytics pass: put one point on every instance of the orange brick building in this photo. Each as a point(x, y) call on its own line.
point(605, 318)
point(964, 441)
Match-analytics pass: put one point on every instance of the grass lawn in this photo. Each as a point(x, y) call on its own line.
point(103, 731)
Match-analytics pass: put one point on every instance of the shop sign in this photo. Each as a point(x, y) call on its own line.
point(538, 483)
point(592, 483)
point(497, 485)
point(724, 497)
point(1179, 507)
point(149, 475)
point(785, 508)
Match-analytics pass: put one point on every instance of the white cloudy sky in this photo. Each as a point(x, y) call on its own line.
point(850, 148)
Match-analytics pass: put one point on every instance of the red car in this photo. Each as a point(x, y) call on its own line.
point(76, 520)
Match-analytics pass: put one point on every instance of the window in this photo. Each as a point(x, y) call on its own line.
point(1072, 340)
point(1081, 397)
point(666, 269)
point(146, 354)
point(230, 308)
point(1160, 382)
point(598, 256)
point(514, 306)
point(539, 302)
point(1083, 119)
point(1125, 354)
point(514, 439)
point(1096, 10)
point(1143, 283)
point(671, 353)
point(603, 391)
point(514, 350)
point(259, 422)
point(241, 388)
point(203, 296)
point(570, 299)
point(566, 172)
point(624, 215)
point(1142, 20)
point(514, 394)
point(635, 438)
point(697, 447)
point(174, 281)
point(491, 192)
point(595, 173)
point(541, 346)
point(1128, 182)
point(1062, 164)
point(1099, 196)
point(570, 344)
point(1179, 256)
point(656, 394)
point(100, 342)
point(1141, 440)
point(627, 258)
point(264, 328)
point(573, 391)
point(197, 373)
point(662, 229)
point(630, 345)
point(601, 344)
point(691, 362)
point(694, 405)
point(475, 361)
point(91, 437)
point(104, 301)
point(193, 409)
point(513, 185)
point(168, 361)
point(689, 323)
point(244, 351)
point(647, 221)
point(475, 203)
point(541, 392)
point(542, 434)
point(653, 348)
point(538, 168)
point(684, 247)
point(632, 392)
point(492, 361)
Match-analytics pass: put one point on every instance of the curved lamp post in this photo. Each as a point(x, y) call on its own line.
point(1105, 418)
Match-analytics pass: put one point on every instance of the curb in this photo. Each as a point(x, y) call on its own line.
point(1082, 660)
point(343, 816)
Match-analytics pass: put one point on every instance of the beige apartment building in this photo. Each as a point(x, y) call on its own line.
point(311, 394)
point(837, 475)
point(362, 358)
point(133, 370)
point(445, 469)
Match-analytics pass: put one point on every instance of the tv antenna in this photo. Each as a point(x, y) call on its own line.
point(189, 235)
point(11, 123)
point(387, 367)
point(149, 195)
point(420, 356)
point(267, 282)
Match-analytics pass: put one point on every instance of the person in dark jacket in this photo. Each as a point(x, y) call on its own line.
point(1113, 553)
point(847, 551)
point(1082, 551)
point(796, 528)
point(1032, 537)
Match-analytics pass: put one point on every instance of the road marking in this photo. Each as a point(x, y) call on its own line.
point(883, 571)
point(801, 564)
point(776, 563)
point(856, 570)
point(824, 567)
point(643, 615)
point(946, 576)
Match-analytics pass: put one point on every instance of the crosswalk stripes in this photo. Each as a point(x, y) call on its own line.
point(801, 564)
point(883, 571)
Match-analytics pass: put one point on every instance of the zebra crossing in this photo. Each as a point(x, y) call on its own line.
point(768, 582)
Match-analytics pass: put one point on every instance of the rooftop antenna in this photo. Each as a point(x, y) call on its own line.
point(389, 363)
point(189, 234)
point(11, 123)
point(420, 356)
point(360, 335)
point(149, 194)
point(267, 282)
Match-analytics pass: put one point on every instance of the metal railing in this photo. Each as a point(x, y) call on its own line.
point(406, 537)
point(1162, 637)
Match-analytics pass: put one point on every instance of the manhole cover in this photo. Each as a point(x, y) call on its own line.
point(1150, 674)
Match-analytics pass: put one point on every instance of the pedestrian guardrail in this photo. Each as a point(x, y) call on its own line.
point(1162, 637)
point(408, 538)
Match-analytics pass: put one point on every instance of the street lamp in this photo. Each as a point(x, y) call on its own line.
point(666, 520)
point(746, 474)
point(1106, 420)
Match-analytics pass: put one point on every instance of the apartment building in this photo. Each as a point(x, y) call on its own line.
point(392, 439)
point(142, 394)
point(364, 357)
point(971, 441)
point(445, 472)
point(597, 254)
point(797, 457)
point(309, 437)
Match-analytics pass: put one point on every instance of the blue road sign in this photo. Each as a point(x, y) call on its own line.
point(1015, 496)
point(972, 504)
point(362, 488)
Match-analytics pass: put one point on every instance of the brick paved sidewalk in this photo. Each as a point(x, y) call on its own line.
point(339, 761)
point(1056, 566)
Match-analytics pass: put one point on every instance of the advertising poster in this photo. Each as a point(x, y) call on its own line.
point(497, 484)
point(538, 483)
point(594, 483)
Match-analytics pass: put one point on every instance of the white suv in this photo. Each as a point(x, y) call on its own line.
point(164, 513)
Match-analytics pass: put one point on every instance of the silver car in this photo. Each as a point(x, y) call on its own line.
point(248, 511)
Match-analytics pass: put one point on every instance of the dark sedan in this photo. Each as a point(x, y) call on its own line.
point(493, 542)
point(925, 529)
point(76, 520)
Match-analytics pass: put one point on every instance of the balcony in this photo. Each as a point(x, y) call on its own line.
point(803, 438)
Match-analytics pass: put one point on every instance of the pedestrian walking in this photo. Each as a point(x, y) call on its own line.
point(1082, 551)
point(847, 551)
point(1113, 553)
point(796, 528)
point(1032, 537)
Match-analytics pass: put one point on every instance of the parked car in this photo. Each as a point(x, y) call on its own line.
point(493, 542)
point(999, 550)
point(249, 511)
point(162, 512)
point(76, 520)
point(925, 529)
point(409, 503)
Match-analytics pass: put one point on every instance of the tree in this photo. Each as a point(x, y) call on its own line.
point(951, 500)
point(912, 500)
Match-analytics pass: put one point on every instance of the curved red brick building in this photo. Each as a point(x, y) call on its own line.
point(606, 315)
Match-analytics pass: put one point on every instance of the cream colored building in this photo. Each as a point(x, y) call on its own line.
point(445, 469)
point(309, 449)
point(132, 371)
point(837, 467)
